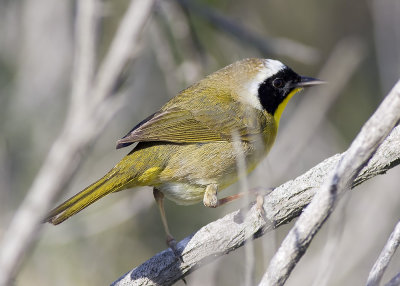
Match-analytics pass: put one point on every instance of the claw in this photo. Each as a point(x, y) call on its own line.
point(171, 242)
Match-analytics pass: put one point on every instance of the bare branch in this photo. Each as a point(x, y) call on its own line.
point(395, 281)
point(277, 46)
point(377, 271)
point(231, 232)
point(84, 123)
point(85, 52)
point(385, 20)
point(345, 172)
point(122, 47)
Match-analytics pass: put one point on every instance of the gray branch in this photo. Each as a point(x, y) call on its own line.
point(278, 46)
point(384, 258)
point(230, 232)
point(91, 108)
point(395, 281)
point(373, 133)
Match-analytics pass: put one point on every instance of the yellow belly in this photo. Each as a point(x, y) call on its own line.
point(183, 171)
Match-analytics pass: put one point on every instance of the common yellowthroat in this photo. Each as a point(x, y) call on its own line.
point(186, 150)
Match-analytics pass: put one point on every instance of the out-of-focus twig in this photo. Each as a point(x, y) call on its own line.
point(230, 232)
point(86, 119)
point(175, 29)
point(122, 48)
point(373, 133)
point(386, 23)
point(277, 46)
point(84, 53)
point(244, 187)
point(377, 271)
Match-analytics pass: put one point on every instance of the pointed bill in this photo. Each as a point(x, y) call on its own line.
point(308, 81)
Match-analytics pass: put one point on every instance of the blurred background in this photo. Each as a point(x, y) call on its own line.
point(354, 45)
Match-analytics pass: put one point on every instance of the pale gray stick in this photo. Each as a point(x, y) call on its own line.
point(83, 125)
point(373, 133)
point(377, 271)
point(395, 281)
point(230, 232)
point(26, 222)
point(385, 16)
point(279, 46)
point(85, 52)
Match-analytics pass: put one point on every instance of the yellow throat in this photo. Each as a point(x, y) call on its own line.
point(282, 105)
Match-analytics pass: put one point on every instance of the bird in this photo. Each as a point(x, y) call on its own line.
point(187, 150)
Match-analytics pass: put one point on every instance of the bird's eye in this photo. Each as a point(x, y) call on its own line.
point(278, 83)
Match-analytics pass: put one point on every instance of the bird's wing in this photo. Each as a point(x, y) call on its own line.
point(179, 125)
point(172, 125)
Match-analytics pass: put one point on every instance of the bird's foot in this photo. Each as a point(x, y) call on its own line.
point(171, 242)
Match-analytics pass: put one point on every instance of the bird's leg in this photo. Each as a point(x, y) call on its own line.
point(229, 199)
point(211, 200)
point(171, 242)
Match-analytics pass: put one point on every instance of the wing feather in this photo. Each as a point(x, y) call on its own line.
point(207, 120)
point(173, 125)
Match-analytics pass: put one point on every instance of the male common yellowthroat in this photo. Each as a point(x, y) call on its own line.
point(186, 150)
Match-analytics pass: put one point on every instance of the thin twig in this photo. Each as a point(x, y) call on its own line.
point(395, 281)
point(244, 187)
point(377, 271)
point(84, 123)
point(85, 52)
point(345, 172)
point(277, 46)
point(385, 16)
point(25, 224)
point(231, 232)
point(122, 47)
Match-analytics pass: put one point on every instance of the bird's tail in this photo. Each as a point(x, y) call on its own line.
point(108, 184)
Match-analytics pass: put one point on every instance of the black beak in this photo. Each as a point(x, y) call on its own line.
point(307, 81)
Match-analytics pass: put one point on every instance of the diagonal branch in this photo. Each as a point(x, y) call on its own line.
point(377, 271)
point(395, 281)
point(230, 232)
point(278, 46)
point(373, 133)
